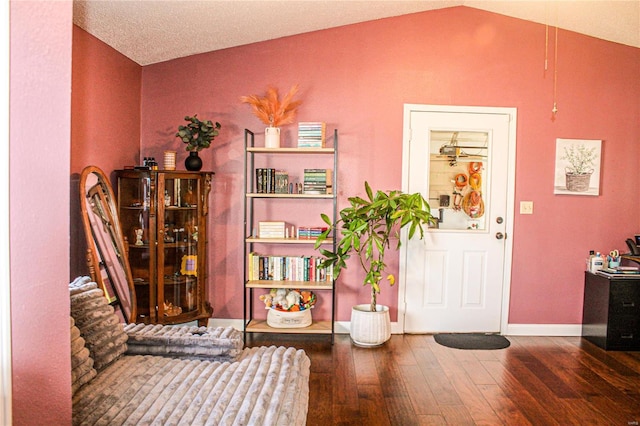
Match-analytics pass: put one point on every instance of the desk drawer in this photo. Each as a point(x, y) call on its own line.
point(623, 339)
point(625, 299)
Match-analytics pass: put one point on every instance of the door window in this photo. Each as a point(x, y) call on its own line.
point(458, 171)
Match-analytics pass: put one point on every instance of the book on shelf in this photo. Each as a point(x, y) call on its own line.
point(318, 181)
point(266, 181)
point(272, 229)
point(287, 268)
point(310, 232)
point(311, 134)
point(272, 181)
point(281, 182)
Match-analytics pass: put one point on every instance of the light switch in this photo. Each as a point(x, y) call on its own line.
point(526, 207)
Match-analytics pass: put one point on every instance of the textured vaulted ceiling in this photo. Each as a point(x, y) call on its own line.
point(151, 31)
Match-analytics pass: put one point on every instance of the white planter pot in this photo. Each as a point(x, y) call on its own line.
point(368, 328)
point(272, 137)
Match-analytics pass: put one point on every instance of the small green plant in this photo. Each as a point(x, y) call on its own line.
point(198, 134)
point(581, 159)
point(367, 227)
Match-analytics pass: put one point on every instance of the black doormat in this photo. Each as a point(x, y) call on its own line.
point(472, 340)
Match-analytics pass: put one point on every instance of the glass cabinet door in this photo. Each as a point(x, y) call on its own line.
point(164, 217)
point(135, 199)
point(178, 215)
point(459, 167)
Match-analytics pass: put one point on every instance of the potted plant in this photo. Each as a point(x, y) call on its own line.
point(582, 161)
point(273, 112)
point(198, 135)
point(367, 228)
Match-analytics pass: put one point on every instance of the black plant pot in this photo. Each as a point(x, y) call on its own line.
point(193, 162)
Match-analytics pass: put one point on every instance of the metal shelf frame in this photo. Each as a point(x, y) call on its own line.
point(250, 324)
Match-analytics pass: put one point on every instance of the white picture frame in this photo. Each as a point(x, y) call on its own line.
point(577, 167)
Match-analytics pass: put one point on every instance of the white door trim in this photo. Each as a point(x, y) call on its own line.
point(5, 260)
point(511, 173)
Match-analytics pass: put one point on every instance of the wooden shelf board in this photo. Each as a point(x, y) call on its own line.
point(307, 285)
point(317, 327)
point(287, 240)
point(290, 150)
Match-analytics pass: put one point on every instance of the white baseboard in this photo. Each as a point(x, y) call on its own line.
point(544, 330)
point(342, 327)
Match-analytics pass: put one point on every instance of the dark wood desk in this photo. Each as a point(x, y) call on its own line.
point(611, 312)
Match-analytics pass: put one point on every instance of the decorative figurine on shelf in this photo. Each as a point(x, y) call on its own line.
point(170, 310)
point(167, 234)
point(284, 299)
point(189, 198)
point(139, 237)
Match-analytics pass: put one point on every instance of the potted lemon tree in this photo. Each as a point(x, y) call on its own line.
point(366, 229)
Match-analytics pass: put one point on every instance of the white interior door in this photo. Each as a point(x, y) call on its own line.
point(457, 278)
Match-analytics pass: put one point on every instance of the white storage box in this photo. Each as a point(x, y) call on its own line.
point(286, 319)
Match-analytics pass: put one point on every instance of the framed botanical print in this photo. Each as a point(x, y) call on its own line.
point(577, 170)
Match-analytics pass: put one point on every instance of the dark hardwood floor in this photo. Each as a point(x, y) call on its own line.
point(412, 380)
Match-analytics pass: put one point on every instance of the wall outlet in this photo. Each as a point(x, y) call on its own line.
point(526, 207)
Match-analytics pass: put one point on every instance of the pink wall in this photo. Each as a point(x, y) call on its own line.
point(40, 86)
point(358, 77)
point(455, 56)
point(105, 105)
point(105, 125)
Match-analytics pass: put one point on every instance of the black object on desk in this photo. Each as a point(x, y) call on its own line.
point(611, 312)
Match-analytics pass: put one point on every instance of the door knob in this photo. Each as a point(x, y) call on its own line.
point(499, 235)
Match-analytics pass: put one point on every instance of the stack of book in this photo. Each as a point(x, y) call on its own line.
point(310, 232)
point(317, 181)
point(621, 270)
point(311, 134)
point(265, 181)
point(272, 181)
point(287, 268)
point(271, 229)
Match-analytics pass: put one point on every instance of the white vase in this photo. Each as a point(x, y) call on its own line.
point(272, 137)
point(369, 329)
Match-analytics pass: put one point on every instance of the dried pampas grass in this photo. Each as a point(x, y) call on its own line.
point(270, 110)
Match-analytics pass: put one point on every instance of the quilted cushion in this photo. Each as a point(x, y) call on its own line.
point(214, 344)
point(98, 324)
point(267, 386)
point(82, 370)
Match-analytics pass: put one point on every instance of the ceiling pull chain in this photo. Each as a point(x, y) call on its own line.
point(555, 76)
point(546, 47)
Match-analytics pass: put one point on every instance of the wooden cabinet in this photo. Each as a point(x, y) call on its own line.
point(611, 312)
point(297, 208)
point(164, 221)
